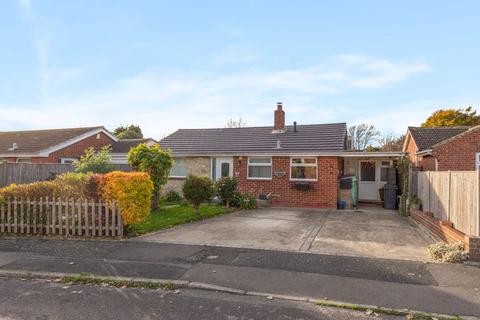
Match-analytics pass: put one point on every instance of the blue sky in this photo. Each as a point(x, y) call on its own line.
point(187, 64)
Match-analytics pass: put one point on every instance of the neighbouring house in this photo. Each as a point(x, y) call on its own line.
point(294, 165)
point(64, 146)
point(443, 148)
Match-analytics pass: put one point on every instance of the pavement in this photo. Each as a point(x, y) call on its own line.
point(48, 300)
point(370, 232)
point(415, 285)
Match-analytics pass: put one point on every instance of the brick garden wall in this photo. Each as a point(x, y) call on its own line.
point(323, 195)
point(445, 231)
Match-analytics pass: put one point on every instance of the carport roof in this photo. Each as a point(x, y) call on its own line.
point(315, 138)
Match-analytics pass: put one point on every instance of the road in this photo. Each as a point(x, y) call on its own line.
point(39, 299)
point(429, 287)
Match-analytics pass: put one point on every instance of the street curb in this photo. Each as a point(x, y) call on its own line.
point(210, 287)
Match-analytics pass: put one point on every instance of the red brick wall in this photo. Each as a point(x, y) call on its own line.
point(459, 153)
point(426, 162)
point(445, 231)
point(323, 195)
point(411, 150)
point(76, 150)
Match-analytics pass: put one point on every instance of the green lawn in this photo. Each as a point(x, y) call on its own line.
point(168, 217)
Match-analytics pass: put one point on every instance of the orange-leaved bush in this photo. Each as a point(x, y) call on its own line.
point(132, 191)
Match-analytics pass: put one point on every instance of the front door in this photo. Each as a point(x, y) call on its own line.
point(223, 168)
point(372, 176)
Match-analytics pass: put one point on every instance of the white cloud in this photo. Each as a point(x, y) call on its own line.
point(161, 102)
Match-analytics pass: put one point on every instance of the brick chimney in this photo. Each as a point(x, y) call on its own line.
point(279, 118)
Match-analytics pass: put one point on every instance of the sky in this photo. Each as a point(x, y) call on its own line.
point(166, 65)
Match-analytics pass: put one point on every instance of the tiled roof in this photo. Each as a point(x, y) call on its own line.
point(427, 137)
point(34, 141)
point(124, 145)
point(307, 139)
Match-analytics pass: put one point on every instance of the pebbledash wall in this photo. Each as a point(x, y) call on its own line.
point(199, 166)
point(324, 192)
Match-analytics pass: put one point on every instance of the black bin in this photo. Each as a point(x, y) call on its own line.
point(390, 196)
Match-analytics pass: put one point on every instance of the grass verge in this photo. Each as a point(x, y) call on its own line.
point(169, 217)
point(119, 283)
point(380, 310)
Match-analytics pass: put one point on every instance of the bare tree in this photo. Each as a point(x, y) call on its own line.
point(232, 123)
point(390, 142)
point(362, 135)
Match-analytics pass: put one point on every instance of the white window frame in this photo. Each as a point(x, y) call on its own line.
point(260, 165)
point(74, 160)
point(381, 165)
point(304, 165)
point(179, 177)
point(29, 160)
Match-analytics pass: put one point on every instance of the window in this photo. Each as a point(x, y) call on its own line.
point(179, 170)
point(24, 160)
point(259, 168)
point(303, 168)
point(68, 160)
point(384, 171)
point(367, 171)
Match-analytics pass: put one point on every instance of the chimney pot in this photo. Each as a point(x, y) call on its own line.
point(279, 118)
point(294, 126)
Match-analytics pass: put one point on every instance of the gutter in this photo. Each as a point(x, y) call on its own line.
point(345, 154)
point(424, 152)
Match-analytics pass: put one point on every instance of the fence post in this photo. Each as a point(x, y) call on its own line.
point(449, 194)
point(2, 219)
point(478, 203)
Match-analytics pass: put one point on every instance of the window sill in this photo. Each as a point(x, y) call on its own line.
point(248, 178)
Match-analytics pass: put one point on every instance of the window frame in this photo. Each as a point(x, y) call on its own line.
point(178, 177)
point(259, 165)
point(29, 160)
point(303, 165)
point(73, 160)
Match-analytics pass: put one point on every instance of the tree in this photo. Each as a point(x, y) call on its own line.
point(389, 142)
point(197, 190)
point(362, 135)
point(156, 162)
point(95, 161)
point(240, 123)
point(128, 132)
point(452, 117)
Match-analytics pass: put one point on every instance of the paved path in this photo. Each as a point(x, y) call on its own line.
point(443, 288)
point(47, 300)
point(371, 232)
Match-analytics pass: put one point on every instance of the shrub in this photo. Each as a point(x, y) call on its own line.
point(31, 190)
point(198, 190)
point(132, 191)
point(172, 196)
point(95, 161)
point(244, 201)
point(156, 162)
point(226, 188)
point(72, 185)
point(445, 252)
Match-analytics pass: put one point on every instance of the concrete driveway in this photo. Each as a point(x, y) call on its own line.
point(371, 232)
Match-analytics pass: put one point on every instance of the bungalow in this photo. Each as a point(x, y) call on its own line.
point(443, 148)
point(296, 165)
point(62, 145)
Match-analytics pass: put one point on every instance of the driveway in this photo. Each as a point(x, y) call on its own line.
point(372, 232)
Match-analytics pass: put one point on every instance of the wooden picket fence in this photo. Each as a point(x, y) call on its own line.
point(60, 217)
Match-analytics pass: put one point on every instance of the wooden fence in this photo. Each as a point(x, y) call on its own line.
point(30, 172)
point(60, 217)
point(452, 196)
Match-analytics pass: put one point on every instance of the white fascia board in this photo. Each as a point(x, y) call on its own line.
point(47, 152)
point(345, 154)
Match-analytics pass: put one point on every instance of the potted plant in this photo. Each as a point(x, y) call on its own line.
point(414, 202)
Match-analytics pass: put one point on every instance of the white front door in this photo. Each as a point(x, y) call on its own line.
point(372, 176)
point(223, 168)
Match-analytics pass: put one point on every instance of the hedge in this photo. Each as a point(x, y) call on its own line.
point(132, 191)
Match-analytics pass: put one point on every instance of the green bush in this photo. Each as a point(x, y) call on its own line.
point(226, 189)
point(197, 190)
point(244, 201)
point(95, 161)
point(72, 185)
point(172, 196)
